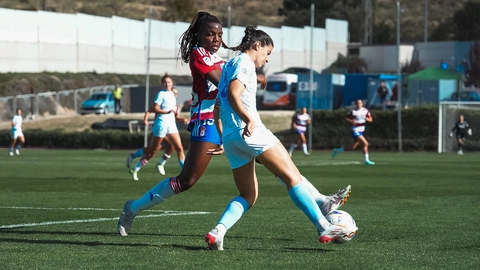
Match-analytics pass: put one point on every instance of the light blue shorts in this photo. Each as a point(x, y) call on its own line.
point(241, 151)
point(161, 131)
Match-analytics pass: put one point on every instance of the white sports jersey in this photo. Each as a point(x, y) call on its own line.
point(359, 116)
point(166, 101)
point(301, 121)
point(17, 121)
point(241, 68)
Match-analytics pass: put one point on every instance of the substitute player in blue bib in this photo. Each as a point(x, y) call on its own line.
point(245, 139)
point(359, 116)
point(18, 139)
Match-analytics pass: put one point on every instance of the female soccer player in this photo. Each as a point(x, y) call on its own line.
point(460, 128)
point(18, 139)
point(299, 124)
point(164, 126)
point(167, 145)
point(199, 44)
point(245, 139)
point(358, 117)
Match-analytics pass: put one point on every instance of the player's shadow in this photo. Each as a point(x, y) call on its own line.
point(79, 243)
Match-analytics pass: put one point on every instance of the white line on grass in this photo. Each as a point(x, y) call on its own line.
point(328, 163)
point(95, 220)
point(78, 209)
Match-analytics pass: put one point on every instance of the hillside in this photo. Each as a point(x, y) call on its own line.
point(261, 12)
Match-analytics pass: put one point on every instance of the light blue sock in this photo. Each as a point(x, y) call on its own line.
point(182, 163)
point(154, 196)
point(11, 149)
point(138, 153)
point(301, 196)
point(317, 196)
point(18, 146)
point(341, 149)
point(235, 209)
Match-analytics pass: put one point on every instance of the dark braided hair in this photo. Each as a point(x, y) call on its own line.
point(164, 77)
point(188, 39)
point(253, 35)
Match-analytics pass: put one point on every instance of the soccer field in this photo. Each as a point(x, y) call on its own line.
point(59, 210)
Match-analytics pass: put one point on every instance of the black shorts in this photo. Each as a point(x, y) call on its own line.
point(461, 135)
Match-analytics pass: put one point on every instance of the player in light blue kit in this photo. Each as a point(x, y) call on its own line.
point(164, 126)
point(18, 139)
point(245, 138)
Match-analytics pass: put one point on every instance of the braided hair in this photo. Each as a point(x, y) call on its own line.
point(252, 36)
point(188, 39)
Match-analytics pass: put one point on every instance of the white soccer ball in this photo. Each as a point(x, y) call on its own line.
point(345, 220)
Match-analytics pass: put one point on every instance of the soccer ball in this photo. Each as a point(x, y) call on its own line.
point(345, 220)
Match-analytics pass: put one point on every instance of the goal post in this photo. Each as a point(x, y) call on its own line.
point(448, 114)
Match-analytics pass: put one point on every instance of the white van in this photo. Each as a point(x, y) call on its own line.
point(280, 91)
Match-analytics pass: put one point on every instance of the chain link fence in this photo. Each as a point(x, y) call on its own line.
point(64, 102)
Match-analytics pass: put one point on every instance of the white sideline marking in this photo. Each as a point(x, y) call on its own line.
point(95, 220)
point(334, 163)
point(77, 209)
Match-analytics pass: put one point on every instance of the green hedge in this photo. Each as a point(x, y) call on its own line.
point(420, 128)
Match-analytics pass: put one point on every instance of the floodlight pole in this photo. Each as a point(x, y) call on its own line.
point(312, 23)
point(399, 82)
point(147, 80)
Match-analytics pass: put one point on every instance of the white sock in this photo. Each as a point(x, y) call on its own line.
point(304, 147)
point(366, 157)
point(164, 159)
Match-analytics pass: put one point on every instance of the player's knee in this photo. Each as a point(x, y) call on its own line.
point(250, 198)
point(187, 182)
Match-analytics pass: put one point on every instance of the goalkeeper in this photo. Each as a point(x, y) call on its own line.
point(460, 127)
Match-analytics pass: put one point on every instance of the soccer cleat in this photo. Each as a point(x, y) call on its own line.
point(336, 151)
point(129, 159)
point(134, 174)
point(334, 201)
point(306, 154)
point(126, 219)
point(331, 234)
point(214, 241)
point(290, 153)
point(368, 162)
point(10, 154)
point(161, 169)
point(17, 152)
point(460, 152)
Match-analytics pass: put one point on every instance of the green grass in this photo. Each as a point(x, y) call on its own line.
point(413, 210)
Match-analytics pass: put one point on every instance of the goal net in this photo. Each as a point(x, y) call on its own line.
point(449, 112)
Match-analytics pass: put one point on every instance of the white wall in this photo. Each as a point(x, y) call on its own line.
point(36, 41)
point(384, 58)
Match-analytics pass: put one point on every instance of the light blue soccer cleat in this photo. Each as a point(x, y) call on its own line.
point(336, 151)
point(368, 162)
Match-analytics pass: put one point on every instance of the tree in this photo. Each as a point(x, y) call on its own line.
point(472, 69)
point(179, 10)
point(467, 22)
point(348, 64)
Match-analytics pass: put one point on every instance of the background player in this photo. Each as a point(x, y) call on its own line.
point(299, 124)
point(460, 127)
point(18, 139)
point(164, 126)
point(358, 117)
point(167, 145)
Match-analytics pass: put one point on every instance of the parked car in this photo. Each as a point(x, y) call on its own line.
point(98, 103)
point(464, 96)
